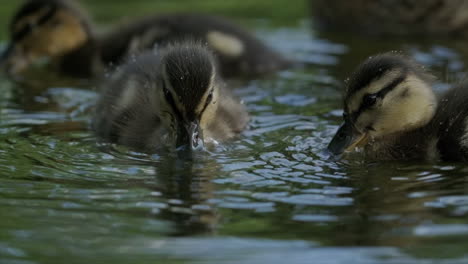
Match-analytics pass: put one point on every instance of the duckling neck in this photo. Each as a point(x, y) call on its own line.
point(416, 144)
point(83, 61)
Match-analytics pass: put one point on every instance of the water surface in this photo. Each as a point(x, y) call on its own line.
point(271, 195)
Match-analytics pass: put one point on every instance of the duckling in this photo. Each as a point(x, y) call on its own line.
point(61, 32)
point(173, 98)
point(392, 113)
point(397, 17)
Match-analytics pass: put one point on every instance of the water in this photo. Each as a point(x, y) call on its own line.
point(270, 196)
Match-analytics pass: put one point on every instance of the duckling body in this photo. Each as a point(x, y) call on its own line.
point(392, 113)
point(172, 98)
point(451, 124)
point(237, 51)
point(56, 21)
point(397, 17)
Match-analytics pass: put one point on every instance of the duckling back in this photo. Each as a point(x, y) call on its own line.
point(126, 112)
point(398, 17)
point(238, 52)
point(61, 32)
point(451, 124)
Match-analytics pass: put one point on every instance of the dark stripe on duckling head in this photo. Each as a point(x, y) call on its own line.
point(189, 70)
point(369, 100)
point(29, 9)
point(375, 67)
point(170, 100)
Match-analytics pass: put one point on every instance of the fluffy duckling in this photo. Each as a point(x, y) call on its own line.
point(396, 17)
point(59, 31)
point(391, 113)
point(174, 98)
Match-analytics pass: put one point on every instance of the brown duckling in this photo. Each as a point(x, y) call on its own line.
point(173, 98)
point(391, 112)
point(59, 31)
point(396, 17)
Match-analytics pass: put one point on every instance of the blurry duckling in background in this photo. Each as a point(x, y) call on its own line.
point(173, 98)
point(396, 17)
point(59, 31)
point(392, 113)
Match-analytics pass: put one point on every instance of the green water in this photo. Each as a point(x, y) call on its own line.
point(271, 196)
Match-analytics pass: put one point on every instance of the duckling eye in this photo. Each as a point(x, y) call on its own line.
point(25, 30)
point(209, 98)
point(171, 102)
point(168, 96)
point(369, 100)
point(341, 135)
point(166, 91)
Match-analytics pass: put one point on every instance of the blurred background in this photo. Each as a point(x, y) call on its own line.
point(108, 10)
point(268, 197)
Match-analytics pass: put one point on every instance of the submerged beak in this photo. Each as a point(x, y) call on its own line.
point(346, 139)
point(190, 134)
point(12, 61)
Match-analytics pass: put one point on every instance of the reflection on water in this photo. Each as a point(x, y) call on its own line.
point(272, 194)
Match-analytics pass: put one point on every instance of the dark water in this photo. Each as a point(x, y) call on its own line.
point(271, 196)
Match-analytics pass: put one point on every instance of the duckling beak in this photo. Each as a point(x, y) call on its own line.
point(13, 61)
point(190, 134)
point(346, 139)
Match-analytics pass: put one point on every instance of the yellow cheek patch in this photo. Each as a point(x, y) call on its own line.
point(69, 35)
point(401, 113)
point(55, 40)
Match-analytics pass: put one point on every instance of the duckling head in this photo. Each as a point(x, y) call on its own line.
point(386, 96)
point(44, 29)
point(189, 94)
